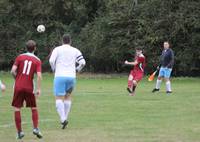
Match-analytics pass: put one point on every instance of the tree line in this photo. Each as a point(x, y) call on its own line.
point(106, 31)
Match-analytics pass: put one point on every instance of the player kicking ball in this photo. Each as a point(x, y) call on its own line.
point(63, 62)
point(137, 72)
point(23, 70)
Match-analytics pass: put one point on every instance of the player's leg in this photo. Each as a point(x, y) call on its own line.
point(133, 88)
point(167, 80)
point(17, 103)
point(136, 79)
point(68, 103)
point(70, 84)
point(60, 107)
point(67, 107)
point(35, 118)
point(17, 115)
point(130, 82)
point(159, 80)
point(59, 92)
point(31, 103)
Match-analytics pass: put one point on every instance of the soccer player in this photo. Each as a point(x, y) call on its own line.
point(137, 72)
point(167, 62)
point(23, 70)
point(63, 62)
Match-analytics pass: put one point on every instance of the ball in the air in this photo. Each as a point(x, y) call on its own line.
point(41, 28)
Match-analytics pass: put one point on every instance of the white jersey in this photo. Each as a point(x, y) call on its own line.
point(63, 60)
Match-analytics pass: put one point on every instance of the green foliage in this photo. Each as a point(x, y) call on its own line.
point(106, 31)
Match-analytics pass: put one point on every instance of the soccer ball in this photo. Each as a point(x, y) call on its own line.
point(40, 28)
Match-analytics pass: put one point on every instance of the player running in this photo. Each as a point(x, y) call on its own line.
point(23, 70)
point(63, 62)
point(167, 62)
point(137, 72)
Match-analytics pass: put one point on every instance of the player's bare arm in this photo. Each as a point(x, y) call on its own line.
point(14, 71)
point(131, 63)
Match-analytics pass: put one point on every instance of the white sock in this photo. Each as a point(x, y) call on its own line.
point(67, 107)
point(61, 110)
point(158, 83)
point(168, 86)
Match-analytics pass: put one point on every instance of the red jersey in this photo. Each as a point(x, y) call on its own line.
point(141, 64)
point(27, 65)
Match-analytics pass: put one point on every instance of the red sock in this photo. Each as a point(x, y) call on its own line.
point(18, 121)
point(35, 118)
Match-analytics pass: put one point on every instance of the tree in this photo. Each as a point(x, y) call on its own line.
point(106, 31)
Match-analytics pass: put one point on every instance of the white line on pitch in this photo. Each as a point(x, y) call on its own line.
point(12, 124)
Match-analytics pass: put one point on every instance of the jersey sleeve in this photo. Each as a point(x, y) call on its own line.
point(79, 56)
point(80, 60)
point(16, 63)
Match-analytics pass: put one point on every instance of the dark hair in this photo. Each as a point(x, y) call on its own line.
point(66, 39)
point(30, 45)
point(139, 48)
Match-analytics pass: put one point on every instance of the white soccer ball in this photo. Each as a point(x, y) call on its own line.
point(41, 28)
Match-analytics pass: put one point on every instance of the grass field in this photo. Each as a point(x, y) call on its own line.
point(103, 112)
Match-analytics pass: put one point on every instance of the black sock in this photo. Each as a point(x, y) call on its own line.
point(133, 89)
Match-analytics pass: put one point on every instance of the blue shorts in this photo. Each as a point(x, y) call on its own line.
point(165, 72)
point(63, 85)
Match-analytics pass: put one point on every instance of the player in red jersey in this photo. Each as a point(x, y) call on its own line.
point(23, 70)
point(137, 72)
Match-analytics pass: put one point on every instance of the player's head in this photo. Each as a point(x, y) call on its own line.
point(138, 50)
point(166, 45)
point(66, 39)
point(31, 46)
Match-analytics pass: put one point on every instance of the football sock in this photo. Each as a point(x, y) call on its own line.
point(61, 110)
point(158, 83)
point(133, 88)
point(168, 86)
point(35, 118)
point(18, 121)
point(67, 104)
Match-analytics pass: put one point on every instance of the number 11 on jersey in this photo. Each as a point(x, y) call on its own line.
point(27, 67)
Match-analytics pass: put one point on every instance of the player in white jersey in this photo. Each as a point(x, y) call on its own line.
point(63, 62)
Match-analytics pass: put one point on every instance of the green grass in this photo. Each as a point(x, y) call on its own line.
point(103, 112)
